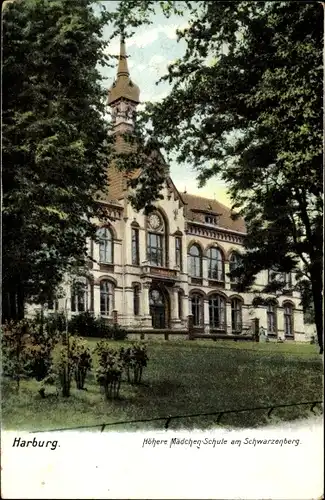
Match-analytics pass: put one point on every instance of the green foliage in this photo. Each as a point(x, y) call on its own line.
point(84, 324)
point(15, 339)
point(40, 352)
point(80, 356)
point(109, 371)
point(247, 106)
point(87, 325)
point(134, 359)
point(55, 143)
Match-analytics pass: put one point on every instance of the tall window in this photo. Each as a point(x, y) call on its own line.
point(53, 304)
point(234, 262)
point(195, 261)
point(236, 315)
point(106, 298)
point(271, 275)
point(136, 300)
point(197, 310)
point(287, 281)
point(271, 319)
point(288, 320)
point(178, 251)
point(156, 247)
point(217, 312)
point(135, 247)
point(79, 296)
point(215, 264)
point(105, 245)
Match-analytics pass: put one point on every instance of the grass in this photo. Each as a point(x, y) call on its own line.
point(182, 377)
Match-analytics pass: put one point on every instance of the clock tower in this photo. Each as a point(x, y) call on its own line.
point(123, 96)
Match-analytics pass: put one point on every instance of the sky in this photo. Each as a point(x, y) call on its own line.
point(149, 51)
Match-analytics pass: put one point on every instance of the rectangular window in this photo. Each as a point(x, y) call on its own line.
point(178, 252)
point(155, 249)
point(135, 247)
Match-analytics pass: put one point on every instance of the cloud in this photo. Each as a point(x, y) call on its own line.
point(147, 37)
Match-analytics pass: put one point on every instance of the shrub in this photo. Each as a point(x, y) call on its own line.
point(110, 369)
point(84, 324)
point(80, 359)
point(134, 359)
point(40, 351)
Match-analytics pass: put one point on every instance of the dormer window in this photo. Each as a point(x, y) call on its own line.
point(209, 219)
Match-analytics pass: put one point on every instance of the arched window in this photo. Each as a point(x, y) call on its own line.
point(195, 261)
point(234, 262)
point(80, 295)
point(217, 312)
point(105, 245)
point(136, 300)
point(156, 244)
point(197, 309)
point(288, 320)
point(271, 319)
point(106, 298)
point(215, 265)
point(236, 316)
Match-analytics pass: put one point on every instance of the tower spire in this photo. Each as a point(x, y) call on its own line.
point(122, 69)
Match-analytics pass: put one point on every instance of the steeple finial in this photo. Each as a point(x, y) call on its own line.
point(122, 69)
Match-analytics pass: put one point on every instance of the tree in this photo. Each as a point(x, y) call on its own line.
point(247, 105)
point(55, 143)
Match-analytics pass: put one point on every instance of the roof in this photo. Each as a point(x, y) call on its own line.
point(197, 207)
point(123, 86)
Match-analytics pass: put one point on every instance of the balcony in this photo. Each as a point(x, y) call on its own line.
point(163, 273)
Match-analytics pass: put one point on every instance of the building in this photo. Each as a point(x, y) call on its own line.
point(159, 272)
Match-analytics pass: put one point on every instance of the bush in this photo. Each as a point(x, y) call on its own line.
point(84, 324)
point(110, 369)
point(134, 359)
point(80, 359)
point(40, 352)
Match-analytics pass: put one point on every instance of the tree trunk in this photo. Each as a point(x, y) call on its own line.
point(316, 284)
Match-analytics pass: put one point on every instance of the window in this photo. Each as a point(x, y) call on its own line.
point(217, 312)
point(197, 310)
point(155, 249)
point(178, 251)
point(105, 245)
point(236, 315)
point(106, 298)
point(234, 262)
point(53, 305)
point(211, 220)
point(215, 264)
point(79, 296)
point(288, 320)
point(271, 275)
point(271, 319)
point(135, 247)
point(136, 300)
point(156, 244)
point(287, 281)
point(195, 261)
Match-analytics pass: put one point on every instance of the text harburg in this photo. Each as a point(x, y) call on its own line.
point(34, 443)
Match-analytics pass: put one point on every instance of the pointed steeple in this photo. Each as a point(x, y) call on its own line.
point(123, 87)
point(122, 69)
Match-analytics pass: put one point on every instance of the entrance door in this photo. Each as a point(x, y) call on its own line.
point(157, 304)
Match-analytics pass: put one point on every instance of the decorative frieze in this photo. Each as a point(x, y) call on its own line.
point(213, 234)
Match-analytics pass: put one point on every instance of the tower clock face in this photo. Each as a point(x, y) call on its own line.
point(154, 221)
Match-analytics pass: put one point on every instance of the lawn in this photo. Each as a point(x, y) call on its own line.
point(183, 377)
